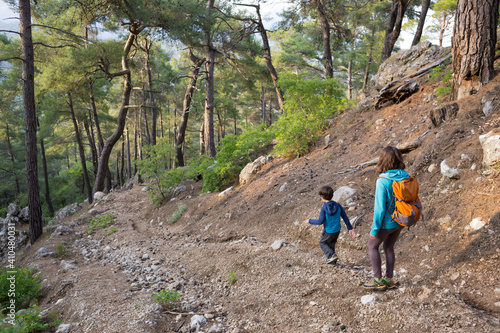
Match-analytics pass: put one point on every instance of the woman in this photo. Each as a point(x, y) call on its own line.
point(385, 230)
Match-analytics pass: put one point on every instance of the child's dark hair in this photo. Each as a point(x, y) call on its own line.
point(326, 192)
point(390, 158)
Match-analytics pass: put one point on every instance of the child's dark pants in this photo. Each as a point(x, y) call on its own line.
point(327, 243)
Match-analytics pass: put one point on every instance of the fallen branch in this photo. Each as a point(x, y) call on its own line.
point(409, 146)
point(358, 167)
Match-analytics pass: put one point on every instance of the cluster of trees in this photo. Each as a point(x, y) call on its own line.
point(88, 85)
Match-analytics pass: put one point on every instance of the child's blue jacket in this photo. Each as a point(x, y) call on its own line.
point(329, 216)
point(384, 196)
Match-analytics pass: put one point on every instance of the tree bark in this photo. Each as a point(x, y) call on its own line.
point(122, 116)
point(209, 87)
point(473, 46)
point(93, 149)
point(129, 159)
point(188, 97)
point(48, 199)
point(421, 22)
point(81, 150)
point(349, 80)
point(393, 28)
point(148, 137)
point(122, 166)
point(151, 97)
point(325, 29)
point(30, 122)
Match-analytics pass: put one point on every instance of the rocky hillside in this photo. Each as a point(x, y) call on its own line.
point(243, 262)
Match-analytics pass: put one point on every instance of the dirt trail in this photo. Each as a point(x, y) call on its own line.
point(449, 275)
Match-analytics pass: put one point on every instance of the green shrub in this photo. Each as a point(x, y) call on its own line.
point(155, 168)
point(28, 321)
point(100, 222)
point(232, 278)
point(168, 298)
point(234, 153)
point(177, 214)
point(111, 231)
point(309, 104)
point(27, 287)
point(61, 249)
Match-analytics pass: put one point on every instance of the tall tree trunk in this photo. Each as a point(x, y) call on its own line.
point(96, 117)
point(122, 116)
point(151, 97)
point(129, 161)
point(421, 22)
point(93, 149)
point(145, 113)
point(135, 143)
point(161, 122)
point(202, 139)
point(473, 45)
point(188, 97)
point(349, 80)
point(46, 179)
point(268, 59)
point(442, 30)
point(30, 120)
point(325, 29)
point(11, 156)
point(209, 87)
point(393, 28)
point(122, 165)
point(263, 102)
point(81, 150)
point(118, 178)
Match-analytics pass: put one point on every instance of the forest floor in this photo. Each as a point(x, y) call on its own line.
point(218, 255)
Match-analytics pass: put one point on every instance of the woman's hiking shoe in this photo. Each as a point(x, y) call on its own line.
point(375, 284)
point(333, 259)
point(389, 283)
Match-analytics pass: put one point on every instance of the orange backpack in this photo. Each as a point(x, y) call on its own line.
point(408, 208)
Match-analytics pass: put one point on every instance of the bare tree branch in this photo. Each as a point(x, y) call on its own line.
point(52, 47)
point(13, 58)
point(10, 31)
point(60, 30)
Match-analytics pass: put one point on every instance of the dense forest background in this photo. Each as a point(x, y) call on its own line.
point(166, 88)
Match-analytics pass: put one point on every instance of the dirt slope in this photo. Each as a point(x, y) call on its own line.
point(449, 274)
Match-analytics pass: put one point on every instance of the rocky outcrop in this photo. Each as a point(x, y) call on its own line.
point(406, 62)
point(252, 168)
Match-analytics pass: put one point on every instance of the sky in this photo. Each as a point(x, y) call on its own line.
point(269, 11)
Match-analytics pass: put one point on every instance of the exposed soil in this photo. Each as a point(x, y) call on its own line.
point(449, 274)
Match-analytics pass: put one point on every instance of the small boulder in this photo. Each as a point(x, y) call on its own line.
point(64, 328)
point(343, 193)
point(99, 196)
point(277, 244)
point(13, 210)
point(448, 171)
point(491, 148)
point(477, 224)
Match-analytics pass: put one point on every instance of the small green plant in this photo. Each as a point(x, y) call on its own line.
point(443, 90)
point(232, 278)
point(100, 222)
point(137, 305)
point(29, 321)
point(181, 208)
point(61, 249)
point(23, 282)
point(111, 231)
point(436, 73)
point(168, 298)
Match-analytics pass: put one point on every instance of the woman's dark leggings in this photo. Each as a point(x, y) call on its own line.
point(389, 238)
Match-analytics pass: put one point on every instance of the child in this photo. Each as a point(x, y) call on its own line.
point(329, 216)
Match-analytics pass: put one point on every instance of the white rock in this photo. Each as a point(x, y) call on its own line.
point(197, 321)
point(343, 193)
point(313, 303)
point(491, 149)
point(432, 168)
point(66, 265)
point(487, 108)
point(448, 171)
point(477, 223)
point(64, 328)
point(145, 256)
point(379, 122)
point(226, 191)
point(454, 276)
point(367, 299)
point(277, 244)
point(282, 188)
point(99, 196)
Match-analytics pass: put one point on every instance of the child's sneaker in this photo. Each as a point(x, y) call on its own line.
point(389, 283)
point(375, 284)
point(333, 259)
